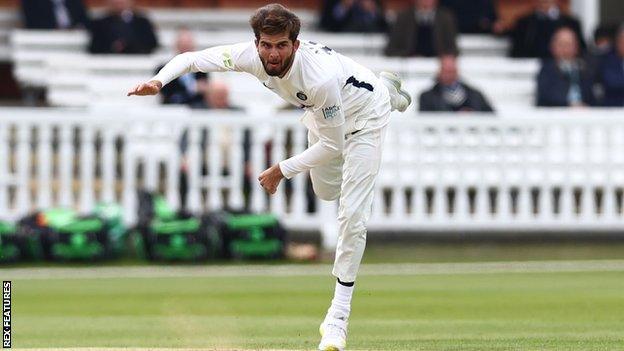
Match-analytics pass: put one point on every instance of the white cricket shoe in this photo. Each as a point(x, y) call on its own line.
point(399, 98)
point(333, 334)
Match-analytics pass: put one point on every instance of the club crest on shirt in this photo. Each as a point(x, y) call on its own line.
point(301, 96)
point(227, 59)
point(331, 112)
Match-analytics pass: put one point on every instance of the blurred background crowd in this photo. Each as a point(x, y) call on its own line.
point(578, 66)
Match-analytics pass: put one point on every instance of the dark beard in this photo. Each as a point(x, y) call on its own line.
point(283, 69)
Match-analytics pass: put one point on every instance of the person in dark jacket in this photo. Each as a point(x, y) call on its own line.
point(474, 16)
point(450, 94)
point(122, 31)
point(532, 34)
point(54, 14)
point(188, 89)
point(423, 30)
point(604, 38)
point(612, 73)
point(564, 79)
point(360, 16)
point(597, 52)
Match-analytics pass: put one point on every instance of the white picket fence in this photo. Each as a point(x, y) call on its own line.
point(531, 170)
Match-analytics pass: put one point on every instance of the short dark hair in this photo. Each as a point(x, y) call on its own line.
point(608, 31)
point(275, 19)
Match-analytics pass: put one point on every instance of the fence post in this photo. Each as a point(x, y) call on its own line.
point(44, 166)
point(87, 171)
point(193, 170)
point(66, 167)
point(4, 168)
point(108, 166)
point(23, 169)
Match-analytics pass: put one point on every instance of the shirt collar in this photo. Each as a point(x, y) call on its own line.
point(425, 17)
point(127, 15)
point(453, 86)
point(553, 13)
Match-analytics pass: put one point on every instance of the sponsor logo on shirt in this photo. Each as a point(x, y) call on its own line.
point(331, 112)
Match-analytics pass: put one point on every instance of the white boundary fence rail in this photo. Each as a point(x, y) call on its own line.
point(533, 170)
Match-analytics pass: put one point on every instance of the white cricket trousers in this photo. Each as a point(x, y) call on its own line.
point(352, 178)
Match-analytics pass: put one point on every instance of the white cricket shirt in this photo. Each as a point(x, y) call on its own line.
point(339, 96)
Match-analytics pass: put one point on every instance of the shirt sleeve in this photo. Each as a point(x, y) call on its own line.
point(241, 57)
point(330, 123)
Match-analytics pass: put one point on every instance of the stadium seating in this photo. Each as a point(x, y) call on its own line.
point(79, 79)
point(38, 54)
point(73, 80)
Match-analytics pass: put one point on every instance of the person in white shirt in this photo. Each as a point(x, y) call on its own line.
point(347, 108)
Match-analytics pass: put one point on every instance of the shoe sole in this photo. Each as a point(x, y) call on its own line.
point(396, 81)
point(327, 348)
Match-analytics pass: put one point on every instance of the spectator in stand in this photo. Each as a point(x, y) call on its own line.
point(217, 96)
point(361, 16)
point(190, 88)
point(564, 79)
point(598, 51)
point(532, 34)
point(604, 36)
point(123, 30)
point(54, 14)
point(474, 16)
point(450, 94)
point(424, 29)
point(612, 73)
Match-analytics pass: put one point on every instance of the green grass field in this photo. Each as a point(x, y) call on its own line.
point(421, 308)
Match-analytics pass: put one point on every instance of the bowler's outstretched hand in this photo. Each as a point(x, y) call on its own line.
point(150, 88)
